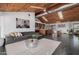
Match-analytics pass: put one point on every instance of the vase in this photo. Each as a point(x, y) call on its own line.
point(31, 43)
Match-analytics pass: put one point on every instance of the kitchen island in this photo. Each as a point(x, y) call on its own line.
point(45, 47)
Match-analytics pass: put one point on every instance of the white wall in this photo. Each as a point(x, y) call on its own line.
point(8, 22)
point(68, 26)
point(75, 25)
point(63, 29)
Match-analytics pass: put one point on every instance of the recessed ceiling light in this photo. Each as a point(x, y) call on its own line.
point(45, 18)
point(44, 10)
point(60, 14)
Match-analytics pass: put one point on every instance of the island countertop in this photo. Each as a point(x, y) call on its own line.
point(45, 47)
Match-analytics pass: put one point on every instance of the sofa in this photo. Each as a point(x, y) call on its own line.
point(25, 35)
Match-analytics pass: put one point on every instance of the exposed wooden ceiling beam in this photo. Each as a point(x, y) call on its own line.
point(51, 6)
point(48, 5)
point(57, 9)
point(37, 7)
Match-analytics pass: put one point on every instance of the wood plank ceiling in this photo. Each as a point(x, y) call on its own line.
point(23, 6)
point(71, 14)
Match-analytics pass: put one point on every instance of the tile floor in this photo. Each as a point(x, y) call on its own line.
point(70, 44)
